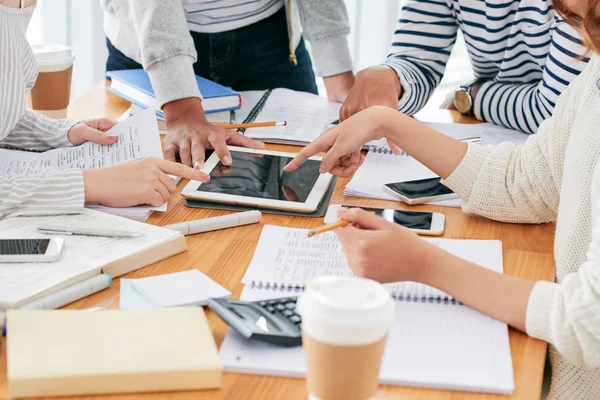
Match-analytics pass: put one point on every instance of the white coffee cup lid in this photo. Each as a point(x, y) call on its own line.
point(347, 301)
point(52, 54)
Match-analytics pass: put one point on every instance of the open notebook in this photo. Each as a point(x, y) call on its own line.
point(435, 341)
point(83, 256)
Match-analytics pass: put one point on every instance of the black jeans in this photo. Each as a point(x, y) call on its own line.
point(255, 57)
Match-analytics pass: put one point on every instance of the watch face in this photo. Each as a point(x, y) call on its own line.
point(462, 101)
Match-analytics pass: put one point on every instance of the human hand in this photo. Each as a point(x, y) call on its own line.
point(140, 181)
point(375, 86)
point(344, 142)
point(448, 103)
point(381, 250)
point(338, 86)
point(190, 134)
point(92, 130)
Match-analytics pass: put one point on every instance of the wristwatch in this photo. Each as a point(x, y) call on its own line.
point(463, 100)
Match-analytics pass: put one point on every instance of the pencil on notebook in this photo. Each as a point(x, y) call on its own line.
point(340, 224)
point(254, 125)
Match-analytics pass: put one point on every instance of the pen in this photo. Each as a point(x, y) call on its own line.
point(79, 230)
point(213, 224)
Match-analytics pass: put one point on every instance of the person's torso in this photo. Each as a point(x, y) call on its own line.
point(210, 16)
point(576, 142)
point(509, 41)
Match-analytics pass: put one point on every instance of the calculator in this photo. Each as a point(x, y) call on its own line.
point(272, 321)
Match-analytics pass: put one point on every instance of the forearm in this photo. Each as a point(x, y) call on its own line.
point(35, 131)
point(500, 296)
point(48, 194)
point(438, 152)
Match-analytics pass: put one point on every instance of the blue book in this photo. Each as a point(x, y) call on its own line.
point(134, 85)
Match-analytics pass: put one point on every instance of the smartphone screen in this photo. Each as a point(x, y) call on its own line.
point(409, 219)
point(430, 187)
point(23, 246)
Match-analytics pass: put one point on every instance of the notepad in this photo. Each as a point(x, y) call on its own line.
point(83, 256)
point(186, 288)
point(66, 352)
point(435, 341)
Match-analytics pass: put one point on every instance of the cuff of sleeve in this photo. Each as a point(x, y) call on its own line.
point(76, 201)
point(479, 100)
point(462, 178)
point(173, 79)
point(406, 82)
point(65, 126)
point(539, 310)
point(332, 55)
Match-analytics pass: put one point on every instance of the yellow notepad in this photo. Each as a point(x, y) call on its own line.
point(61, 353)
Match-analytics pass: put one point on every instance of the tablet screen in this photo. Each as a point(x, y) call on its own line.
point(261, 175)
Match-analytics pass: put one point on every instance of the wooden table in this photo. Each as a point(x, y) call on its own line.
point(224, 256)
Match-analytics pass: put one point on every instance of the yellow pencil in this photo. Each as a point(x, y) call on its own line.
point(253, 125)
point(340, 224)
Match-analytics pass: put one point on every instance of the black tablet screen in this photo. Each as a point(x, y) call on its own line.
point(260, 175)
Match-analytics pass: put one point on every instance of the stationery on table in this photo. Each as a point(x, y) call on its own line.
point(134, 85)
point(216, 223)
point(113, 351)
point(69, 230)
point(84, 257)
point(435, 341)
point(179, 289)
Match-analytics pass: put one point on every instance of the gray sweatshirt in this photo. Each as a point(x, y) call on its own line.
point(155, 34)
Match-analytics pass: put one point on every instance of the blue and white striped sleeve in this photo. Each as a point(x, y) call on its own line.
point(525, 106)
point(421, 46)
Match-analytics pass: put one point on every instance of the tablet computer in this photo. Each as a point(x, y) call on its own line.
point(257, 178)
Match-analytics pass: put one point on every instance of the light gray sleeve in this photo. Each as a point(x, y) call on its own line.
point(167, 48)
point(36, 131)
point(48, 194)
point(325, 25)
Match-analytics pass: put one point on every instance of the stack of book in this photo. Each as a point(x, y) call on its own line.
point(134, 86)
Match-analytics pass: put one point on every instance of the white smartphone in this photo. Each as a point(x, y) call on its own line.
point(424, 223)
point(420, 191)
point(30, 250)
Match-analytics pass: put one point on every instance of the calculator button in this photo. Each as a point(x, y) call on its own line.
point(280, 307)
point(287, 313)
point(270, 309)
point(272, 302)
point(262, 303)
point(295, 319)
point(291, 306)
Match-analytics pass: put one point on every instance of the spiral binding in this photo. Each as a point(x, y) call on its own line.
point(396, 295)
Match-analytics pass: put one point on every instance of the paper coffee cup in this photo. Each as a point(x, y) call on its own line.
point(52, 90)
point(345, 322)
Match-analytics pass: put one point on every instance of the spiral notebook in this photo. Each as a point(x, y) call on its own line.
point(381, 166)
point(434, 341)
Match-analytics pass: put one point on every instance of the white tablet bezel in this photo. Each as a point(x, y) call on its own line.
point(312, 202)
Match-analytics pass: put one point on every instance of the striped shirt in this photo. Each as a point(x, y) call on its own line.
point(527, 54)
point(210, 16)
point(52, 193)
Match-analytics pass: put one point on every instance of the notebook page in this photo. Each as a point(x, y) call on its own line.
point(287, 259)
point(429, 345)
point(82, 255)
point(307, 116)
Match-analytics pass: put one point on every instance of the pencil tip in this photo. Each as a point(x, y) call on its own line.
point(310, 233)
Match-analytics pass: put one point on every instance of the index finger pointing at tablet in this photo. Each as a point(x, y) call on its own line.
point(322, 143)
point(171, 168)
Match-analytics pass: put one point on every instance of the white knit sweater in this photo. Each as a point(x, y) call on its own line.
point(554, 176)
